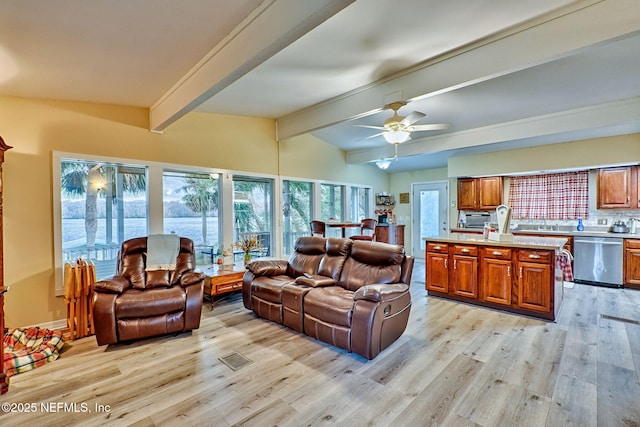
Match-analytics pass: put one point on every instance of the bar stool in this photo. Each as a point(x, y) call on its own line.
point(367, 224)
point(317, 228)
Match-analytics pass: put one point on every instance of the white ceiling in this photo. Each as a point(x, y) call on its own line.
point(502, 73)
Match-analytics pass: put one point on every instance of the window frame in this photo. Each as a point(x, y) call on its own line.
point(155, 205)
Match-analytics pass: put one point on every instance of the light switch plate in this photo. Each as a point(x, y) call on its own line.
point(602, 221)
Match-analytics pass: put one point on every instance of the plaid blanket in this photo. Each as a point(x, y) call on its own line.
point(26, 349)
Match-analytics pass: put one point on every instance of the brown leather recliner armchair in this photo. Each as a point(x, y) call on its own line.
point(137, 304)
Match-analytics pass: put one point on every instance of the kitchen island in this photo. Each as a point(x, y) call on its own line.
point(521, 276)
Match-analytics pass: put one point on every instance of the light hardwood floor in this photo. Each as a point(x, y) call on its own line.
point(456, 365)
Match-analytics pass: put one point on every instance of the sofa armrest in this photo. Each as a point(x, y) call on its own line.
point(115, 285)
point(268, 268)
point(381, 292)
point(191, 278)
point(315, 281)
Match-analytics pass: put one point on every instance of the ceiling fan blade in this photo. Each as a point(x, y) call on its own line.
point(372, 136)
point(370, 127)
point(435, 126)
point(412, 118)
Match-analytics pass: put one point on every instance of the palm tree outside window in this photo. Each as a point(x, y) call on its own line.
point(102, 204)
point(191, 209)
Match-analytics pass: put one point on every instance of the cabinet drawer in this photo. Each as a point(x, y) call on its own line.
point(534, 256)
point(632, 244)
point(441, 248)
point(228, 287)
point(497, 253)
point(465, 250)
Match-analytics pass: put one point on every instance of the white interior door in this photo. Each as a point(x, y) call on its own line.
point(430, 213)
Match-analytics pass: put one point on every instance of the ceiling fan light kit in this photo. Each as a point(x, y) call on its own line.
point(383, 164)
point(396, 136)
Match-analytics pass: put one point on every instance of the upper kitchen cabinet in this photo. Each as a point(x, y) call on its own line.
point(480, 193)
point(618, 188)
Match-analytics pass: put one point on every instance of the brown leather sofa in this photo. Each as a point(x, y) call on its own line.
point(137, 304)
point(351, 294)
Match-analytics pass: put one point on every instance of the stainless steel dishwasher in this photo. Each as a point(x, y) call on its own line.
point(598, 260)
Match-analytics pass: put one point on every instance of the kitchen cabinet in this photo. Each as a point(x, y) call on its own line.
point(632, 263)
point(535, 274)
point(464, 276)
point(480, 193)
point(496, 276)
point(618, 188)
point(518, 277)
point(437, 268)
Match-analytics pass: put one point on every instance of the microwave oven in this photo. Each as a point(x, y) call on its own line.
point(477, 219)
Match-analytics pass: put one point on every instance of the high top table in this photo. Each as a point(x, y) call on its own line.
point(343, 226)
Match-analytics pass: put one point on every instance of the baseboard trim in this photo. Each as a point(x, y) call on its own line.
point(55, 325)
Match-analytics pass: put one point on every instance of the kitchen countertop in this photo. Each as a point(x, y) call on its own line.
point(526, 242)
point(574, 233)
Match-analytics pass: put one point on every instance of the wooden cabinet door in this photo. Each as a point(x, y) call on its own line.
point(632, 262)
point(615, 188)
point(467, 194)
point(382, 233)
point(632, 267)
point(496, 281)
point(490, 192)
point(437, 274)
point(534, 286)
point(465, 276)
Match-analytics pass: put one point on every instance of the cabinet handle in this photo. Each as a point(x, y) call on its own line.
point(534, 256)
point(509, 271)
point(521, 272)
point(454, 263)
point(496, 253)
point(437, 248)
point(465, 250)
point(445, 263)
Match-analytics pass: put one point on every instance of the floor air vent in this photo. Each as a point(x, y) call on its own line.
point(620, 319)
point(235, 360)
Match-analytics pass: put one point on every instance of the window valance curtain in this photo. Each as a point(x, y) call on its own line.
point(550, 196)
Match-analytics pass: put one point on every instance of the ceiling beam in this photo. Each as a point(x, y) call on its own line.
point(271, 27)
point(533, 43)
point(619, 117)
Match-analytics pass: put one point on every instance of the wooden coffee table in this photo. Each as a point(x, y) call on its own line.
point(222, 278)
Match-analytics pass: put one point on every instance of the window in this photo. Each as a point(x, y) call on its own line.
point(297, 203)
point(360, 203)
point(331, 202)
point(253, 211)
point(550, 196)
point(190, 209)
point(102, 205)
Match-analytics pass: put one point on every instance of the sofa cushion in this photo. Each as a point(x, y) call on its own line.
point(370, 263)
point(306, 256)
point(332, 304)
point(137, 303)
point(269, 288)
point(337, 251)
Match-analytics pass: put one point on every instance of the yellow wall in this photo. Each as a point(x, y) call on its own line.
point(582, 154)
point(37, 128)
point(310, 157)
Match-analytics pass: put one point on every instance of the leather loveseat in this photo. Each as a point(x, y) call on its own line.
point(137, 304)
point(351, 294)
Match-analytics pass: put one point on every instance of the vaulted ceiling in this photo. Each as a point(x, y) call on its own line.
point(501, 73)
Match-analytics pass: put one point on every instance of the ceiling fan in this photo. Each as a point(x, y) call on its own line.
point(397, 129)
